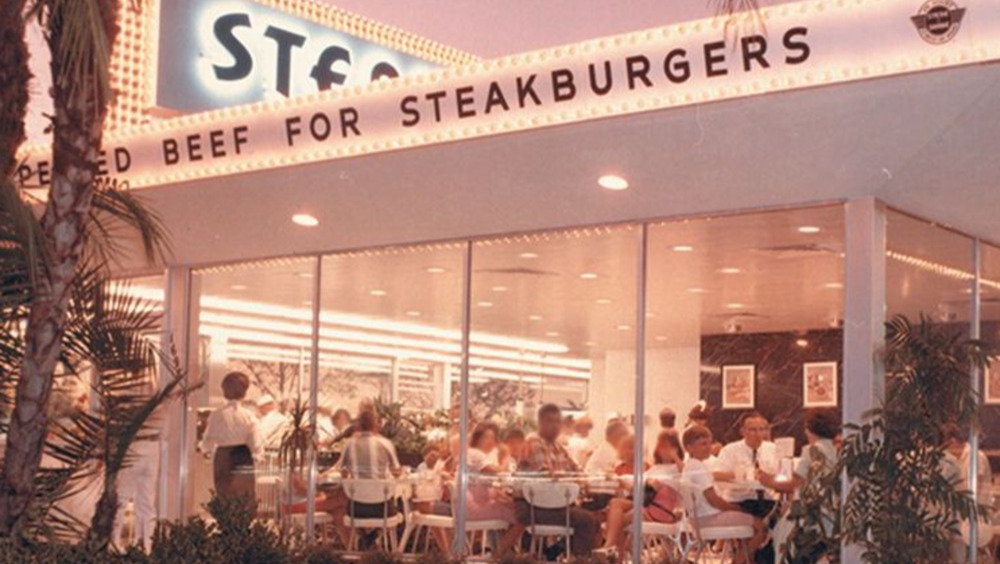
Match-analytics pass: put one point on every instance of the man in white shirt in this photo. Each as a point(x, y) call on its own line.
point(580, 446)
point(272, 423)
point(605, 458)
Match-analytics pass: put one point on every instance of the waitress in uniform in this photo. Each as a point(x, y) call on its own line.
point(232, 435)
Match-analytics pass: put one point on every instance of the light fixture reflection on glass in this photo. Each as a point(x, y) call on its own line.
point(534, 318)
point(624, 327)
point(305, 275)
point(499, 289)
point(730, 270)
point(528, 256)
point(801, 343)
point(833, 285)
point(735, 305)
point(378, 293)
point(612, 182)
point(305, 220)
point(485, 304)
point(413, 313)
point(661, 338)
point(602, 301)
point(552, 333)
point(697, 291)
point(238, 287)
point(809, 229)
point(588, 276)
point(435, 270)
point(683, 248)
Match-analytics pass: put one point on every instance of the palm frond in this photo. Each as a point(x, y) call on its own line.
point(118, 214)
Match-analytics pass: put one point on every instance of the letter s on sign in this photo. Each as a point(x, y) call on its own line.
point(242, 60)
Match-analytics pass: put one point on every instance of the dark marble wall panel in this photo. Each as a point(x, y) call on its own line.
point(778, 361)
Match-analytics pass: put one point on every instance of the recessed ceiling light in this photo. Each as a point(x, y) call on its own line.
point(413, 313)
point(435, 270)
point(305, 275)
point(485, 304)
point(588, 276)
point(624, 327)
point(661, 337)
point(730, 270)
point(499, 288)
point(534, 318)
point(602, 301)
point(528, 255)
point(735, 306)
point(683, 248)
point(612, 182)
point(552, 334)
point(238, 287)
point(305, 220)
point(378, 293)
point(833, 285)
point(697, 291)
point(809, 229)
point(802, 343)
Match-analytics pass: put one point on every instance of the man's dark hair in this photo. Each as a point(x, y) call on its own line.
point(751, 415)
point(367, 420)
point(549, 409)
point(695, 433)
point(480, 431)
point(515, 434)
point(824, 423)
point(667, 418)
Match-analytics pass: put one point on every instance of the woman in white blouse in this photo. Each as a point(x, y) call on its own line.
point(231, 437)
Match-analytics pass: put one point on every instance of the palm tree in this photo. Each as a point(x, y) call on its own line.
point(80, 35)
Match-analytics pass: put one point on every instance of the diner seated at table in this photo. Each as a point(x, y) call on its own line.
point(739, 462)
point(661, 502)
point(513, 442)
point(543, 454)
point(580, 445)
point(712, 510)
point(605, 458)
point(484, 502)
point(701, 414)
point(818, 458)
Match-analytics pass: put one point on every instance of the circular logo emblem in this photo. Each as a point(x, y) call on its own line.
point(938, 21)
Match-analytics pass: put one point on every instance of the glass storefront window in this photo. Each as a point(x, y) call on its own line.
point(553, 344)
point(254, 320)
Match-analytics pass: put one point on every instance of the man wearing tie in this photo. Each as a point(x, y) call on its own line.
point(742, 459)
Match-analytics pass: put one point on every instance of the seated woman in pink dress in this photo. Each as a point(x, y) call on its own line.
point(483, 501)
point(661, 502)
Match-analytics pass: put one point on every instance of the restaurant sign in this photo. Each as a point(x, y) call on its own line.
point(807, 45)
point(219, 53)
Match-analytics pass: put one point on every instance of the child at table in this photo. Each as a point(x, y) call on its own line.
point(711, 509)
point(661, 502)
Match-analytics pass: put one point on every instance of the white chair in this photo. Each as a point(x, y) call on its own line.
point(268, 493)
point(549, 496)
point(322, 523)
point(733, 539)
point(477, 532)
point(661, 541)
point(372, 492)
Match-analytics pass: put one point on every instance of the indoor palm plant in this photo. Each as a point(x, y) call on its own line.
point(899, 506)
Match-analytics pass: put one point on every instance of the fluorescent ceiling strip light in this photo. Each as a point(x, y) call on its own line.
point(373, 350)
point(388, 340)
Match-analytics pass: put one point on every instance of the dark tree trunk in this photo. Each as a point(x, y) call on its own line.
point(14, 78)
point(103, 522)
point(79, 114)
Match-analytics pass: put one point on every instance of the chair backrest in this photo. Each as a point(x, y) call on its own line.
point(689, 496)
point(551, 495)
point(369, 491)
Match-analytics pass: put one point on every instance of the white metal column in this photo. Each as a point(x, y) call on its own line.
point(864, 317)
point(462, 476)
point(638, 484)
point(313, 401)
point(974, 333)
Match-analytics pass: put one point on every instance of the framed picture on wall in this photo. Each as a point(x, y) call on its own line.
point(819, 384)
point(738, 383)
point(991, 386)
